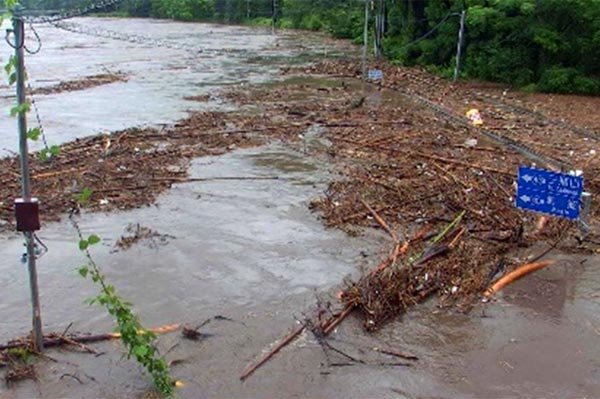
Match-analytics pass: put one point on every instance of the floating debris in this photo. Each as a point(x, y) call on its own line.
point(136, 233)
point(81, 84)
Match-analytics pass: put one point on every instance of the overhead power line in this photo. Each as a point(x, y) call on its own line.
point(56, 16)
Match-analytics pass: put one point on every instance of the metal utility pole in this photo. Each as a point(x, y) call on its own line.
point(365, 39)
point(379, 27)
point(460, 44)
point(274, 16)
point(19, 35)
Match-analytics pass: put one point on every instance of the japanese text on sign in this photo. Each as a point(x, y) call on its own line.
point(549, 192)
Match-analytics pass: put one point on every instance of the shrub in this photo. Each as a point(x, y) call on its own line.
point(567, 80)
point(311, 22)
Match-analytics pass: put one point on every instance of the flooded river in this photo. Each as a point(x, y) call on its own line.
point(251, 251)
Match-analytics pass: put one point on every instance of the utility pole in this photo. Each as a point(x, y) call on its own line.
point(365, 39)
point(26, 207)
point(460, 44)
point(379, 27)
point(274, 16)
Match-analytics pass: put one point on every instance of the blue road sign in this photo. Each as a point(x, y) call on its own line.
point(554, 193)
point(375, 74)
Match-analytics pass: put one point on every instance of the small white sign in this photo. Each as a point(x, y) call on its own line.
point(375, 74)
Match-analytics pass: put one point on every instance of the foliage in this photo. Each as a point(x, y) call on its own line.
point(23, 355)
point(551, 45)
point(567, 80)
point(138, 340)
point(22, 109)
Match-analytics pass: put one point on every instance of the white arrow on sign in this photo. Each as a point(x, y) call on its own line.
point(527, 178)
point(525, 198)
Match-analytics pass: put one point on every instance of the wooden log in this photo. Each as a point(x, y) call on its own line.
point(381, 222)
point(335, 322)
point(393, 352)
point(289, 338)
point(54, 340)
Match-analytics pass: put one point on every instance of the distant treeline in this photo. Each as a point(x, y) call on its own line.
point(544, 45)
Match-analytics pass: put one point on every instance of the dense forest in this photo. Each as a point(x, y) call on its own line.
point(539, 45)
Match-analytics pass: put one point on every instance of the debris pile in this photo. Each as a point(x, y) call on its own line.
point(407, 160)
point(136, 233)
point(507, 115)
point(441, 189)
point(81, 84)
point(130, 168)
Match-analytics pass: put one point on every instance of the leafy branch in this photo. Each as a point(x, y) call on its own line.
point(33, 134)
point(138, 340)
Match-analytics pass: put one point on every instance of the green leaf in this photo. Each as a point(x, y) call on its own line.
point(20, 109)
point(12, 78)
point(84, 196)
point(93, 239)
point(10, 64)
point(44, 155)
point(83, 270)
point(103, 299)
point(54, 150)
point(140, 351)
point(83, 244)
point(34, 134)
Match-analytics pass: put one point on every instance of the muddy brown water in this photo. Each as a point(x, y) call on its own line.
point(251, 251)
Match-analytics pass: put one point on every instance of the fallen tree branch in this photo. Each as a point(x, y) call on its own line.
point(395, 353)
point(329, 327)
point(53, 340)
point(381, 222)
point(289, 338)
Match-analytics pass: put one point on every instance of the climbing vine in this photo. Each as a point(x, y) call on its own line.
point(138, 340)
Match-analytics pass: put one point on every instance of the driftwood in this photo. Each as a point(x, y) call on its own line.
point(393, 352)
point(53, 340)
point(289, 338)
point(329, 325)
point(380, 220)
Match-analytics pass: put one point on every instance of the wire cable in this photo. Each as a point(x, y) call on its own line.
point(137, 39)
point(44, 249)
point(37, 38)
point(426, 35)
point(95, 7)
point(14, 45)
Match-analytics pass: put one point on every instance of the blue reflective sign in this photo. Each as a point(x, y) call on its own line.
point(554, 193)
point(375, 74)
